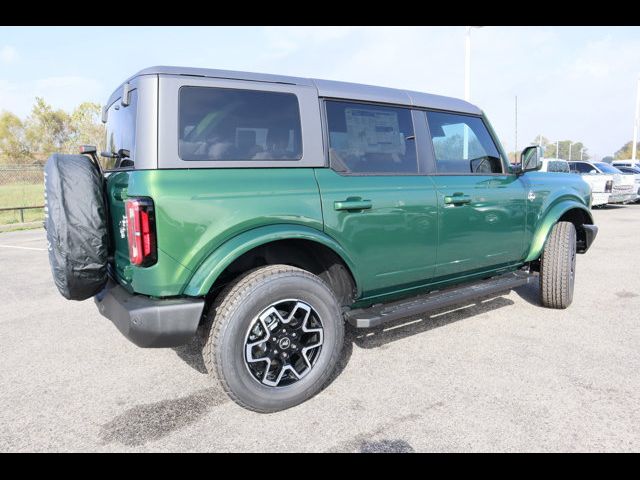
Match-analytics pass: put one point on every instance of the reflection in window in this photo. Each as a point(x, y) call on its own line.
point(462, 144)
point(228, 124)
point(371, 138)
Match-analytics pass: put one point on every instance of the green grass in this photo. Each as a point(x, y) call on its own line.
point(21, 195)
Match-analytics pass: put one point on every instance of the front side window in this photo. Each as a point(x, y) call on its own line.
point(606, 168)
point(121, 133)
point(462, 144)
point(221, 124)
point(559, 167)
point(580, 167)
point(371, 139)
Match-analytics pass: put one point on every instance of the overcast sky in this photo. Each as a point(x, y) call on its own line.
point(575, 83)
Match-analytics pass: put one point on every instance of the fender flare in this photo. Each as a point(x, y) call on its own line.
point(551, 217)
point(217, 261)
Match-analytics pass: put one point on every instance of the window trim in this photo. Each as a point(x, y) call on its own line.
point(420, 152)
point(168, 112)
point(287, 160)
point(135, 139)
point(496, 144)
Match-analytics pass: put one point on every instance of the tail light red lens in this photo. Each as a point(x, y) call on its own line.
point(141, 231)
point(608, 186)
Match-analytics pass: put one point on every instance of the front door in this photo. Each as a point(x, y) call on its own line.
point(481, 206)
point(377, 202)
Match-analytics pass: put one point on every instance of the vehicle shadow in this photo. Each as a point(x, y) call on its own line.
point(191, 353)
point(530, 293)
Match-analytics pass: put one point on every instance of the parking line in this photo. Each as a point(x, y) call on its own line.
point(23, 248)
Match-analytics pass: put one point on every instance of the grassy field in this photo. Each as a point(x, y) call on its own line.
point(21, 195)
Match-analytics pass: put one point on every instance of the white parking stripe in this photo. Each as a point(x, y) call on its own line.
point(23, 248)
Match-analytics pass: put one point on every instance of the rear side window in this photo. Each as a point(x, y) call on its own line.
point(371, 139)
point(560, 167)
point(462, 144)
point(121, 133)
point(227, 124)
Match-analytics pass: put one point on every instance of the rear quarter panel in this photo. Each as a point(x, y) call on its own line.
point(199, 209)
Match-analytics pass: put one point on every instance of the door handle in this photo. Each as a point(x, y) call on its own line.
point(457, 199)
point(352, 204)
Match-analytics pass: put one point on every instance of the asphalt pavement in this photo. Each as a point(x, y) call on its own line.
point(503, 374)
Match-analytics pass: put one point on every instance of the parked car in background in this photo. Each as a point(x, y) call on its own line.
point(601, 184)
point(636, 175)
point(626, 163)
point(555, 165)
point(622, 186)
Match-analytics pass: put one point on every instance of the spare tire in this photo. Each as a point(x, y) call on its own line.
point(76, 224)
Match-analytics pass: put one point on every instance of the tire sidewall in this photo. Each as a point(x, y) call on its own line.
point(230, 346)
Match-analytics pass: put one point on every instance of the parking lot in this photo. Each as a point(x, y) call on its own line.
point(500, 375)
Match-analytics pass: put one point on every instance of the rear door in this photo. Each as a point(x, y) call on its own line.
point(481, 207)
point(376, 199)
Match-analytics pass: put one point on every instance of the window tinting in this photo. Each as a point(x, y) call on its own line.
point(462, 144)
point(580, 167)
point(371, 138)
point(228, 124)
point(121, 131)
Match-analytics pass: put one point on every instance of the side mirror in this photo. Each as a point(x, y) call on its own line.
point(593, 172)
point(531, 159)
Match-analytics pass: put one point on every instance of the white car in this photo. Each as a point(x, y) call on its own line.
point(626, 163)
point(601, 184)
point(623, 188)
point(636, 175)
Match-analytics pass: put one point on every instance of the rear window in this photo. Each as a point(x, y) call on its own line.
point(121, 132)
point(221, 124)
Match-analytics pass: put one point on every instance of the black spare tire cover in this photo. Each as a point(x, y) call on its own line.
point(75, 220)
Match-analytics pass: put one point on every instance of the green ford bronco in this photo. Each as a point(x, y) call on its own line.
point(267, 211)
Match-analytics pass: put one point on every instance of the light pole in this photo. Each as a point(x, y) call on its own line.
point(467, 63)
point(558, 149)
point(635, 123)
point(570, 143)
point(581, 152)
point(467, 87)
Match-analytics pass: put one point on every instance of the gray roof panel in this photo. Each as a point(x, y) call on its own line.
point(325, 88)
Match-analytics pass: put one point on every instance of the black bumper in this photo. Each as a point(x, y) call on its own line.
point(589, 235)
point(150, 322)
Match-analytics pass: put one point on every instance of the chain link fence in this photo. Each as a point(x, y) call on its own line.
point(21, 186)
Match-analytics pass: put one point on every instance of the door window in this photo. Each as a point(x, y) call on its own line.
point(371, 139)
point(462, 145)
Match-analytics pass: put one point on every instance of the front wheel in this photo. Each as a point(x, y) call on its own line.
point(275, 337)
point(558, 266)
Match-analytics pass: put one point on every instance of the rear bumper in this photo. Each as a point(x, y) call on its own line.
point(150, 322)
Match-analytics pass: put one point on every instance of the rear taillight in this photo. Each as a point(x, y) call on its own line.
point(608, 186)
point(141, 231)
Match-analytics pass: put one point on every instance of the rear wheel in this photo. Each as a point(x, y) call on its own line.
point(558, 266)
point(275, 337)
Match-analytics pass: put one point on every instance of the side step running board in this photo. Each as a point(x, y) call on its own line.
point(382, 313)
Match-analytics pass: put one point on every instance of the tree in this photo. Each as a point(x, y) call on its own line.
point(86, 128)
point(577, 149)
point(607, 159)
point(13, 147)
point(626, 151)
point(46, 130)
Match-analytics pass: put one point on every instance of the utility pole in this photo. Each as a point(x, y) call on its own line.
point(634, 147)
